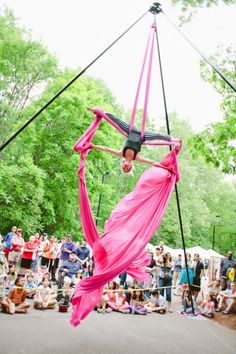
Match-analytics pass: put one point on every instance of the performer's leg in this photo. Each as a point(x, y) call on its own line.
point(123, 125)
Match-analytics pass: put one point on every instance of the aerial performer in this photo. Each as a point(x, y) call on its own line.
point(138, 215)
point(132, 222)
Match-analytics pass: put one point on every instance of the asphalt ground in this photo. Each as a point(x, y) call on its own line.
point(41, 332)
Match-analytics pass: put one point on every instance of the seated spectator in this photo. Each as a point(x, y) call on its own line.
point(119, 302)
point(3, 263)
point(227, 301)
point(137, 303)
point(207, 307)
point(157, 303)
point(11, 276)
point(69, 273)
point(30, 286)
point(45, 296)
point(102, 306)
point(15, 301)
point(42, 270)
point(186, 302)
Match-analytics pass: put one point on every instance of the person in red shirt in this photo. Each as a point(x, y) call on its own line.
point(28, 252)
point(17, 243)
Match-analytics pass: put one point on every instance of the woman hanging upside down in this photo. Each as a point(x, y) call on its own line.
point(133, 143)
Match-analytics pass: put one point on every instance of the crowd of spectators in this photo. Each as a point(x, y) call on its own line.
point(43, 272)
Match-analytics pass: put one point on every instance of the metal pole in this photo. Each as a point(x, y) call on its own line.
point(213, 236)
point(100, 198)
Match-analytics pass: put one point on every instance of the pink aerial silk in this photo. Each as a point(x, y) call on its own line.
point(130, 227)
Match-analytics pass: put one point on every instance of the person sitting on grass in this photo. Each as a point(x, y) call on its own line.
point(227, 301)
point(207, 307)
point(157, 303)
point(15, 301)
point(45, 296)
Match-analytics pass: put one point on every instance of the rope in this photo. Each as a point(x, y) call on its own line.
point(214, 67)
point(4, 145)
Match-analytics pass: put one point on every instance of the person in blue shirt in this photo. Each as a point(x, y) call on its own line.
point(70, 271)
point(83, 255)
point(8, 239)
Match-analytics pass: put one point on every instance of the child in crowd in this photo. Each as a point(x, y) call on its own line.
point(157, 303)
point(30, 286)
point(40, 273)
point(137, 303)
point(102, 306)
point(15, 301)
point(186, 302)
point(11, 276)
point(118, 302)
point(45, 296)
point(208, 306)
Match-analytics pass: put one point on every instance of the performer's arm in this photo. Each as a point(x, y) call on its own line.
point(107, 149)
point(151, 162)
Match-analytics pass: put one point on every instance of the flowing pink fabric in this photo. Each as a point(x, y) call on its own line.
point(130, 227)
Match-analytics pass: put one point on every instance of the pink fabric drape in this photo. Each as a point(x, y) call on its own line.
point(130, 227)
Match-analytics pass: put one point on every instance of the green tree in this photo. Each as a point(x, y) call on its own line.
point(217, 142)
point(25, 66)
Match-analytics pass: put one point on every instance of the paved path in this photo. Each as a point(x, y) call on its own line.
point(50, 332)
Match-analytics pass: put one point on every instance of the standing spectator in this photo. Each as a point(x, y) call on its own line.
point(231, 274)
point(198, 273)
point(67, 247)
point(83, 256)
point(36, 255)
point(17, 244)
point(157, 258)
point(27, 255)
point(58, 255)
point(8, 239)
point(166, 279)
point(226, 263)
point(150, 268)
point(183, 275)
point(177, 270)
point(49, 254)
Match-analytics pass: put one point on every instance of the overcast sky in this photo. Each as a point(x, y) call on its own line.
point(77, 31)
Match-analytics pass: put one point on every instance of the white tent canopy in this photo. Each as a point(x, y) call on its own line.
point(203, 253)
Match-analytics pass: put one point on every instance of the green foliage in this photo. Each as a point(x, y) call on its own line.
point(217, 142)
point(189, 7)
point(21, 194)
point(25, 65)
